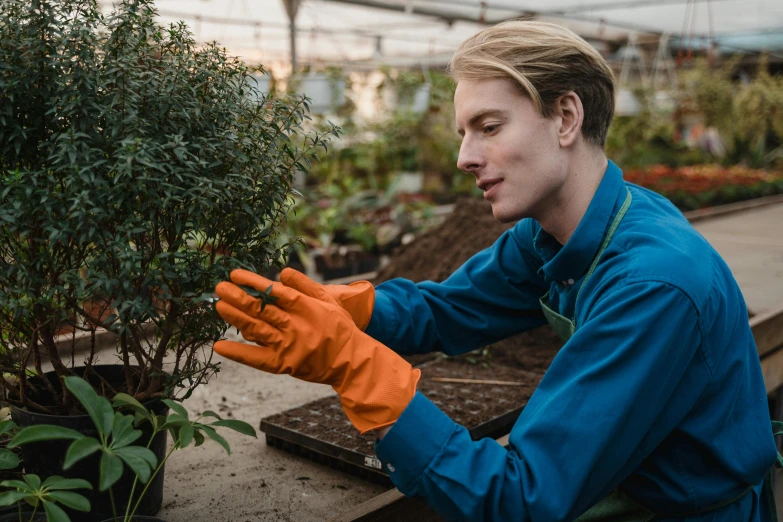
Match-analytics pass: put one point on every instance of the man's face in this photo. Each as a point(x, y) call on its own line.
point(513, 152)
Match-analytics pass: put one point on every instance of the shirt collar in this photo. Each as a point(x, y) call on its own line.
point(569, 262)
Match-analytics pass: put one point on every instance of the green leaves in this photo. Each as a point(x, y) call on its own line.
point(115, 445)
point(98, 408)
point(186, 434)
point(8, 459)
point(265, 296)
point(61, 483)
point(214, 435)
point(209, 430)
point(71, 500)
point(177, 407)
point(80, 449)
point(123, 400)
point(242, 427)
point(55, 514)
point(141, 460)
point(155, 213)
point(123, 432)
point(9, 498)
point(110, 470)
point(52, 491)
point(42, 433)
point(6, 426)
point(184, 431)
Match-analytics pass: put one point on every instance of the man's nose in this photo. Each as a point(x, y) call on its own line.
point(470, 159)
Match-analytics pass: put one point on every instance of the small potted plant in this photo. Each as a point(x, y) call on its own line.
point(116, 426)
point(137, 169)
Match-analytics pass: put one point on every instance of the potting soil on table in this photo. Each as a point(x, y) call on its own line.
point(436, 254)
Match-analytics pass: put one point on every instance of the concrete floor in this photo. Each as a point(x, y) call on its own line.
point(751, 242)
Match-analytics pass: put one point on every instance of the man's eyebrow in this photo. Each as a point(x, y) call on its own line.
point(483, 113)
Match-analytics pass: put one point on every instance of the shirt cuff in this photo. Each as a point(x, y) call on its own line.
point(413, 442)
point(384, 318)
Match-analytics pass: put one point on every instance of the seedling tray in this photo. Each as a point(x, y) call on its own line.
point(320, 431)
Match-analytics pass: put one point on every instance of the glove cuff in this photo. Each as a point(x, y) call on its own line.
point(358, 299)
point(371, 403)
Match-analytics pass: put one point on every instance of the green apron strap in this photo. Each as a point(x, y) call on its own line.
point(563, 326)
point(617, 506)
point(607, 239)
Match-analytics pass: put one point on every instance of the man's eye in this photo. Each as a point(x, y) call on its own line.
point(490, 128)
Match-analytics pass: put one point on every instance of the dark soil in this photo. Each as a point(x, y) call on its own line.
point(471, 405)
point(437, 253)
point(434, 255)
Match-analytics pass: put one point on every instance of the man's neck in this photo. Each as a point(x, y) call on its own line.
point(570, 203)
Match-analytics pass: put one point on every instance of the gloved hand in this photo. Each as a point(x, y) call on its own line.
point(357, 298)
point(316, 340)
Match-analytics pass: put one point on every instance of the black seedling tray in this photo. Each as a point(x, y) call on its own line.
point(321, 432)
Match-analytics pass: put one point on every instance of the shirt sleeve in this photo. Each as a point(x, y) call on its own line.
point(620, 385)
point(492, 296)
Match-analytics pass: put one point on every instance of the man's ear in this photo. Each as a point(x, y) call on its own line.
point(571, 114)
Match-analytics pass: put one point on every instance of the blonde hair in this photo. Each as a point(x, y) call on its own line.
point(547, 61)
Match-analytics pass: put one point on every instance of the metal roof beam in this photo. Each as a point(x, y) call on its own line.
point(516, 14)
point(424, 11)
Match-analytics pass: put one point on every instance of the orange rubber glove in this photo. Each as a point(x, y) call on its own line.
point(357, 298)
point(316, 340)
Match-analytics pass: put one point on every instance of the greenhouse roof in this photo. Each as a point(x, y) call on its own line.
point(412, 31)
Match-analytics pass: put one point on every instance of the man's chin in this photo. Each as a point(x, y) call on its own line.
point(507, 215)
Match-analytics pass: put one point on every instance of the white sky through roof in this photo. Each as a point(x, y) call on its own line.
point(329, 31)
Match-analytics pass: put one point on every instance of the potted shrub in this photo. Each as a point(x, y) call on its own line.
point(137, 169)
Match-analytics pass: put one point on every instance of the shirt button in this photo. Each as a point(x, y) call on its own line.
point(570, 281)
point(390, 468)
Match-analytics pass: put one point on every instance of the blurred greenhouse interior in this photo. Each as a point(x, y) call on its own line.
point(699, 104)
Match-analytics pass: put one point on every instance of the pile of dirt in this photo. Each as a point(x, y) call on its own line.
point(434, 255)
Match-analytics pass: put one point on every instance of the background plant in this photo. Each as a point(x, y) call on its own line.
point(759, 112)
point(136, 171)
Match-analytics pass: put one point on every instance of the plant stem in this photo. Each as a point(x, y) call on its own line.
point(130, 498)
point(136, 480)
point(113, 506)
point(32, 517)
point(149, 482)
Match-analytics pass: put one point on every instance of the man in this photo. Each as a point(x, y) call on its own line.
point(654, 409)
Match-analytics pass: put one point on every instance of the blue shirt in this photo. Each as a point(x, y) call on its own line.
point(659, 391)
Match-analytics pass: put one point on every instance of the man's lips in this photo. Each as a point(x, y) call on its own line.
point(486, 184)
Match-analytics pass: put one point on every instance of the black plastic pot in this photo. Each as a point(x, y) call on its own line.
point(14, 517)
point(46, 459)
